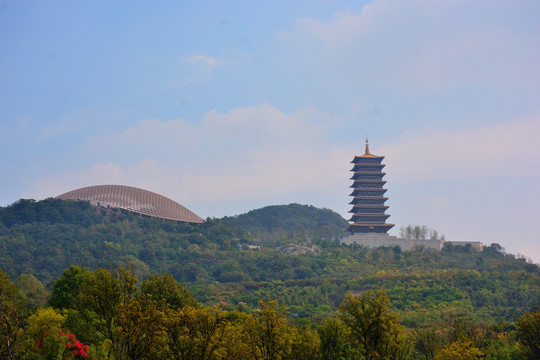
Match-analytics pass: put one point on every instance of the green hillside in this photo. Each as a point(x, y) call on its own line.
point(294, 219)
point(43, 238)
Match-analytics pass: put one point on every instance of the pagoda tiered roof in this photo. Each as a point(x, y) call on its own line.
point(368, 181)
point(369, 211)
point(378, 190)
point(368, 206)
point(360, 165)
point(359, 173)
point(357, 216)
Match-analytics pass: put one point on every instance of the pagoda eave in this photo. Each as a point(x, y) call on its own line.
point(355, 191)
point(357, 208)
point(359, 158)
point(368, 181)
point(357, 217)
point(356, 174)
point(365, 228)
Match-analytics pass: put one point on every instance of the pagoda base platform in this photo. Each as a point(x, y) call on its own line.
point(375, 240)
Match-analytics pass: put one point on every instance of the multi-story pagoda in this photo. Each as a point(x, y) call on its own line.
point(368, 195)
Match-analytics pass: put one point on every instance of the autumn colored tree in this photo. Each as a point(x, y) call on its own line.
point(44, 322)
point(374, 329)
point(127, 281)
point(267, 332)
point(333, 344)
point(460, 350)
point(305, 344)
point(99, 299)
point(235, 345)
point(45, 338)
point(196, 333)
point(139, 328)
point(528, 332)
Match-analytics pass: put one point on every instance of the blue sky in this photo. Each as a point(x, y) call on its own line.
point(230, 106)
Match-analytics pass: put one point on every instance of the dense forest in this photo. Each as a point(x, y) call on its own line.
point(236, 266)
point(103, 314)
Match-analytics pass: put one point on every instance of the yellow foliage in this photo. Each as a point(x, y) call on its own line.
point(45, 321)
point(460, 351)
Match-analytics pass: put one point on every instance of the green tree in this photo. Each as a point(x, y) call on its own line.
point(45, 339)
point(139, 328)
point(333, 344)
point(12, 315)
point(66, 288)
point(460, 351)
point(267, 332)
point(167, 288)
point(196, 333)
point(427, 343)
point(528, 332)
point(100, 296)
point(374, 329)
point(305, 344)
point(467, 330)
point(32, 289)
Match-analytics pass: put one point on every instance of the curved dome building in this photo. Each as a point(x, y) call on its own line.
point(133, 199)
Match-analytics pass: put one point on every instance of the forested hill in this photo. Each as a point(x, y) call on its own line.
point(305, 219)
point(50, 211)
point(43, 238)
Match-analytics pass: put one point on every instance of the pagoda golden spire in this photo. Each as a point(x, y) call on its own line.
point(367, 147)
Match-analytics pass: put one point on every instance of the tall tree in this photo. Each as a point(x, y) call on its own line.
point(32, 289)
point(427, 343)
point(195, 333)
point(268, 334)
point(374, 329)
point(305, 344)
point(167, 288)
point(12, 311)
point(100, 296)
point(333, 346)
point(528, 332)
point(139, 328)
point(66, 288)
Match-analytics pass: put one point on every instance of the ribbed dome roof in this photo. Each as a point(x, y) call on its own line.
point(133, 199)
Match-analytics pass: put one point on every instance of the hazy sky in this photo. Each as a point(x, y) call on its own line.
point(228, 106)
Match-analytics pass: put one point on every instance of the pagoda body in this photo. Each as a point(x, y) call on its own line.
point(369, 211)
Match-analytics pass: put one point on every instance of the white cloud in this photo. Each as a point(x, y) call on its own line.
point(250, 152)
point(259, 151)
point(422, 45)
point(203, 60)
point(195, 69)
point(509, 148)
point(241, 133)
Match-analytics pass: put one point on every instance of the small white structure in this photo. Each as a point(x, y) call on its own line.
point(374, 240)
